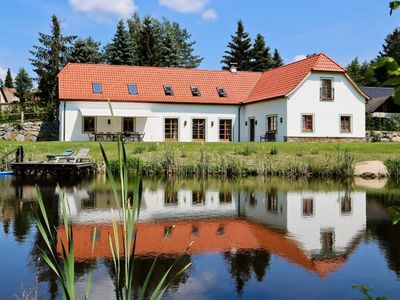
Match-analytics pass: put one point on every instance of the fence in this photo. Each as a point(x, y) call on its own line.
point(15, 113)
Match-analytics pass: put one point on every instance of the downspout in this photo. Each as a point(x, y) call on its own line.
point(240, 106)
point(65, 106)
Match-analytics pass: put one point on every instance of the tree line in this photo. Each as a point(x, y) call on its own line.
point(368, 73)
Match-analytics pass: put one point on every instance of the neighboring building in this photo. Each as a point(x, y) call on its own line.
point(8, 96)
point(306, 100)
point(381, 103)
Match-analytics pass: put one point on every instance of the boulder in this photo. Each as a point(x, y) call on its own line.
point(385, 140)
point(371, 169)
point(20, 138)
point(396, 139)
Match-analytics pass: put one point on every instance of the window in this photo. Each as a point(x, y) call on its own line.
point(225, 130)
point(225, 197)
point(168, 90)
point(89, 124)
point(221, 92)
point(128, 125)
point(132, 88)
point(195, 91)
point(327, 241)
point(327, 89)
point(171, 129)
point(272, 202)
point(308, 207)
point(170, 198)
point(345, 205)
point(199, 130)
point(96, 87)
point(345, 124)
point(272, 123)
point(198, 198)
point(308, 123)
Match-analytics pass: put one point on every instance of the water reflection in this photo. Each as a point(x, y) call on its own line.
point(314, 227)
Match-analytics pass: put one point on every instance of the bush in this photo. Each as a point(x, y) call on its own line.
point(273, 151)
point(247, 150)
point(393, 167)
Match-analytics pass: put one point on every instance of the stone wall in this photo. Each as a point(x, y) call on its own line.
point(29, 131)
point(323, 139)
point(383, 136)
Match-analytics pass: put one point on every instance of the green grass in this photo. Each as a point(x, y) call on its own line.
point(222, 158)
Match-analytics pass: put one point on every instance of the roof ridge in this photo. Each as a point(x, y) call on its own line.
point(328, 57)
point(158, 68)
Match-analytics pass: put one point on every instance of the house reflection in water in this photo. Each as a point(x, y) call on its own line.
point(313, 229)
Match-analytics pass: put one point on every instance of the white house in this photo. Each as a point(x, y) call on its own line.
point(309, 99)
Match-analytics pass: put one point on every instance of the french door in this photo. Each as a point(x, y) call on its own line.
point(225, 130)
point(171, 129)
point(199, 130)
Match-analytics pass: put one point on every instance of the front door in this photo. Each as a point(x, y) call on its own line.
point(272, 128)
point(252, 130)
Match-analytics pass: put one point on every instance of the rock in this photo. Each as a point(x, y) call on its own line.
point(396, 139)
point(371, 169)
point(20, 138)
point(9, 136)
point(385, 140)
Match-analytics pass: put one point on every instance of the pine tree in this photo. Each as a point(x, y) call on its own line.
point(48, 60)
point(121, 50)
point(150, 49)
point(391, 47)
point(8, 82)
point(261, 56)
point(134, 28)
point(177, 47)
point(23, 85)
point(362, 74)
point(277, 59)
point(239, 50)
point(85, 51)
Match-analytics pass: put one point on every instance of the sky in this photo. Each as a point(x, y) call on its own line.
point(342, 29)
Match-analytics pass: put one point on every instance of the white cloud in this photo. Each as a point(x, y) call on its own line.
point(100, 9)
point(209, 15)
point(3, 72)
point(185, 6)
point(299, 57)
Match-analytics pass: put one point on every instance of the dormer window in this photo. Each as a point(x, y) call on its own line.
point(327, 90)
point(168, 90)
point(195, 91)
point(96, 88)
point(132, 88)
point(221, 92)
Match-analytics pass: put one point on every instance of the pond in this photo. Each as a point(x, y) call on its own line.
point(254, 238)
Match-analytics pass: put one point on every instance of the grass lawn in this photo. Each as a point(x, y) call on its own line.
point(189, 152)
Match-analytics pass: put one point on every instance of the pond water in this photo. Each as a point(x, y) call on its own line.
point(253, 238)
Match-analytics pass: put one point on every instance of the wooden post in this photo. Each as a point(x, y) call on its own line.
point(22, 116)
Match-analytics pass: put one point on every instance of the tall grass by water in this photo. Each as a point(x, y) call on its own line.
point(246, 161)
point(127, 191)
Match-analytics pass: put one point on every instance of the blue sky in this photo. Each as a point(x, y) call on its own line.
point(343, 29)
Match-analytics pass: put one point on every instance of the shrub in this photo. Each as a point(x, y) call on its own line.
point(273, 151)
point(393, 167)
point(247, 150)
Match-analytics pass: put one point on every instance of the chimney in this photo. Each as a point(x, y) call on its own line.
point(233, 67)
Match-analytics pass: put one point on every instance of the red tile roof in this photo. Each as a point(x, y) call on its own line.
point(281, 81)
point(75, 82)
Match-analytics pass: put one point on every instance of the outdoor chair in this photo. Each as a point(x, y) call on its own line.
point(81, 156)
point(57, 157)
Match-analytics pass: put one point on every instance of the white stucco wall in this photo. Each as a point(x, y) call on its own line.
point(306, 100)
point(151, 120)
point(260, 111)
point(327, 216)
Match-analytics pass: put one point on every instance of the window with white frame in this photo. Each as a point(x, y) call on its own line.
point(307, 123)
point(345, 124)
point(327, 91)
point(89, 124)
